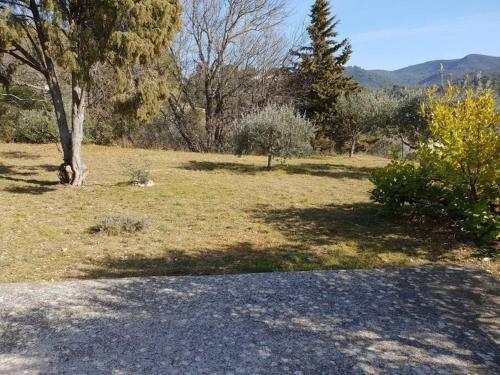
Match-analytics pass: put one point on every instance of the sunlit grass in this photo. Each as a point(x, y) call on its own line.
point(207, 214)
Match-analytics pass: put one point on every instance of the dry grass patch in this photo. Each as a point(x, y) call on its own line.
point(209, 214)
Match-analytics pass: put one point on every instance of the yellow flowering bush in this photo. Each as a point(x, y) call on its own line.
point(458, 171)
point(464, 148)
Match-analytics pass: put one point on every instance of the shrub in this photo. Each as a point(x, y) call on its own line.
point(26, 116)
point(27, 126)
point(457, 177)
point(464, 147)
point(114, 225)
point(277, 132)
point(139, 174)
point(99, 132)
point(402, 183)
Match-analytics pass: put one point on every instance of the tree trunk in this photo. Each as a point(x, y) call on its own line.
point(352, 150)
point(209, 115)
point(62, 120)
point(78, 168)
point(269, 162)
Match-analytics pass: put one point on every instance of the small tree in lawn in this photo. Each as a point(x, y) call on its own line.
point(277, 132)
point(67, 39)
point(360, 113)
point(407, 122)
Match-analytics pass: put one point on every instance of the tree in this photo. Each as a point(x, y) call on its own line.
point(363, 112)
point(320, 77)
point(464, 142)
point(277, 132)
point(226, 49)
point(407, 122)
point(66, 39)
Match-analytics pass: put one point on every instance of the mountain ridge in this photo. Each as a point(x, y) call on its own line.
point(426, 73)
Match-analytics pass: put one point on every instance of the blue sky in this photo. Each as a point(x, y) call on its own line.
point(391, 34)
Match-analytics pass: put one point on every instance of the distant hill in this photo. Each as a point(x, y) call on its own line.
point(427, 73)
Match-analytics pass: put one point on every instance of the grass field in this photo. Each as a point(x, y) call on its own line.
point(207, 214)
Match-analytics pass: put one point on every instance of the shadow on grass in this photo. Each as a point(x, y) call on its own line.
point(29, 190)
point(35, 186)
point(311, 169)
point(242, 257)
point(332, 237)
point(365, 225)
point(19, 155)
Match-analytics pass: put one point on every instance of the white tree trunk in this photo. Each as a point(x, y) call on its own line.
point(78, 168)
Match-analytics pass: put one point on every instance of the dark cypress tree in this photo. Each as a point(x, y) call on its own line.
point(319, 72)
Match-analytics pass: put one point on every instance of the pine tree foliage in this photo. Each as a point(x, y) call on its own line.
point(321, 65)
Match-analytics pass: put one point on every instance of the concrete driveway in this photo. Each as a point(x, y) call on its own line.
point(413, 321)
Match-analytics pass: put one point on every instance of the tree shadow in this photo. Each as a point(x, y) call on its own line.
point(19, 155)
point(331, 170)
point(412, 321)
point(42, 167)
point(208, 166)
point(9, 173)
point(364, 224)
point(29, 190)
point(6, 169)
point(311, 169)
point(331, 237)
point(242, 257)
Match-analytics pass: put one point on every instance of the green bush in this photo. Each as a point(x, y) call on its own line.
point(401, 183)
point(27, 126)
point(99, 132)
point(26, 116)
point(457, 175)
point(404, 186)
point(480, 221)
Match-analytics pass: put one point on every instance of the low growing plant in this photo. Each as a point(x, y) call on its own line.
point(113, 225)
point(139, 174)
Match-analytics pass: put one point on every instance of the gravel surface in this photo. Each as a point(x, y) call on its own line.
point(413, 321)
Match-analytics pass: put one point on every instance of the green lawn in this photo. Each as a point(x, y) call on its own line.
point(208, 214)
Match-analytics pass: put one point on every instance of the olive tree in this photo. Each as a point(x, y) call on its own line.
point(363, 112)
point(407, 122)
point(66, 39)
point(277, 132)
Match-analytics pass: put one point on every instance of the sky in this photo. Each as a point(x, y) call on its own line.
point(392, 34)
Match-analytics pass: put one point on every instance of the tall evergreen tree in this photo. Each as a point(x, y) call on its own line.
point(320, 68)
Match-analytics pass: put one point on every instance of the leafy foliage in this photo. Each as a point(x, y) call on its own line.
point(407, 122)
point(274, 131)
point(464, 148)
point(363, 112)
point(25, 116)
point(458, 172)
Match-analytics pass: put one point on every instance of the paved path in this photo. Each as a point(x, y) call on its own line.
point(419, 321)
